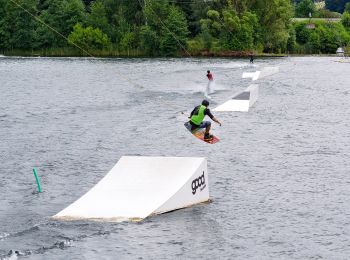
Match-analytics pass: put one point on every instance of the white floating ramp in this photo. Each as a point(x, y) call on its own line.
point(253, 75)
point(242, 101)
point(138, 187)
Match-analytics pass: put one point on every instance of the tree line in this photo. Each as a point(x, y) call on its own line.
point(161, 27)
point(321, 36)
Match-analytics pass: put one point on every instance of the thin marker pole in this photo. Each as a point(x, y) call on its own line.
point(37, 179)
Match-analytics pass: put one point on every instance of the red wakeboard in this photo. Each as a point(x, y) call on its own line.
point(199, 133)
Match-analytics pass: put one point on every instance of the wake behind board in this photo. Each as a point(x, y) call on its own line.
point(199, 133)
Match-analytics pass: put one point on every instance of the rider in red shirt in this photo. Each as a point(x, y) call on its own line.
point(210, 76)
point(208, 90)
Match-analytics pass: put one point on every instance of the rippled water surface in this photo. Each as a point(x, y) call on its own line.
point(279, 179)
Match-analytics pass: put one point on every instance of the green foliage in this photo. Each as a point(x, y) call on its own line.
point(17, 27)
point(60, 15)
point(169, 27)
point(194, 10)
point(212, 24)
point(274, 17)
point(250, 21)
point(292, 40)
point(175, 32)
point(231, 20)
point(97, 17)
point(205, 35)
point(156, 12)
point(169, 24)
point(347, 7)
point(347, 49)
point(149, 40)
point(328, 39)
point(233, 31)
point(325, 38)
point(314, 42)
point(304, 8)
point(195, 46)
point(131, 10)
point(73, 12)
point(244, 31)
point(89, 38)
point(213, 15)
point(127, 42)
point(325, 13)
point(121, 29)
point(345, 19)
point(302, 33)
point(241, 6)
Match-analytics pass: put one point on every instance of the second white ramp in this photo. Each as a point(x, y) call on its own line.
point(242, 101)
point(253, 75)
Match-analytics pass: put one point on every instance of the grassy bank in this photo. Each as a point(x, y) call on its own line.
point(74, 52)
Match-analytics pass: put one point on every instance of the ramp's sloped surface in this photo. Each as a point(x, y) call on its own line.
point(242, 101)
point(137, 187)
point(233, 105)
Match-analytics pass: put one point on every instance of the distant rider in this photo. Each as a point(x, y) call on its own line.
point(210, 82)
point(251, 58)
point(209, 75)
point(197, 116)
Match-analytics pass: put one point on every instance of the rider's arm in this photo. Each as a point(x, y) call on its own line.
point(208, 113)
point(217, 121)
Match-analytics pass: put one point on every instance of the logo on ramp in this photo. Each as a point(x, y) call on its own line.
point(198, 183)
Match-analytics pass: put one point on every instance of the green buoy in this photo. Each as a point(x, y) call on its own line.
point(37, 179)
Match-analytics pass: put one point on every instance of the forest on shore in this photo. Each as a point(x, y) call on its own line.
point(172, 27)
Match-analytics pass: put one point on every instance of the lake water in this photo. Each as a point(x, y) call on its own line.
point(279, 178)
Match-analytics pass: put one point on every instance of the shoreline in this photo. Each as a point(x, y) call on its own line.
point(133, 54)
point(204, 54)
